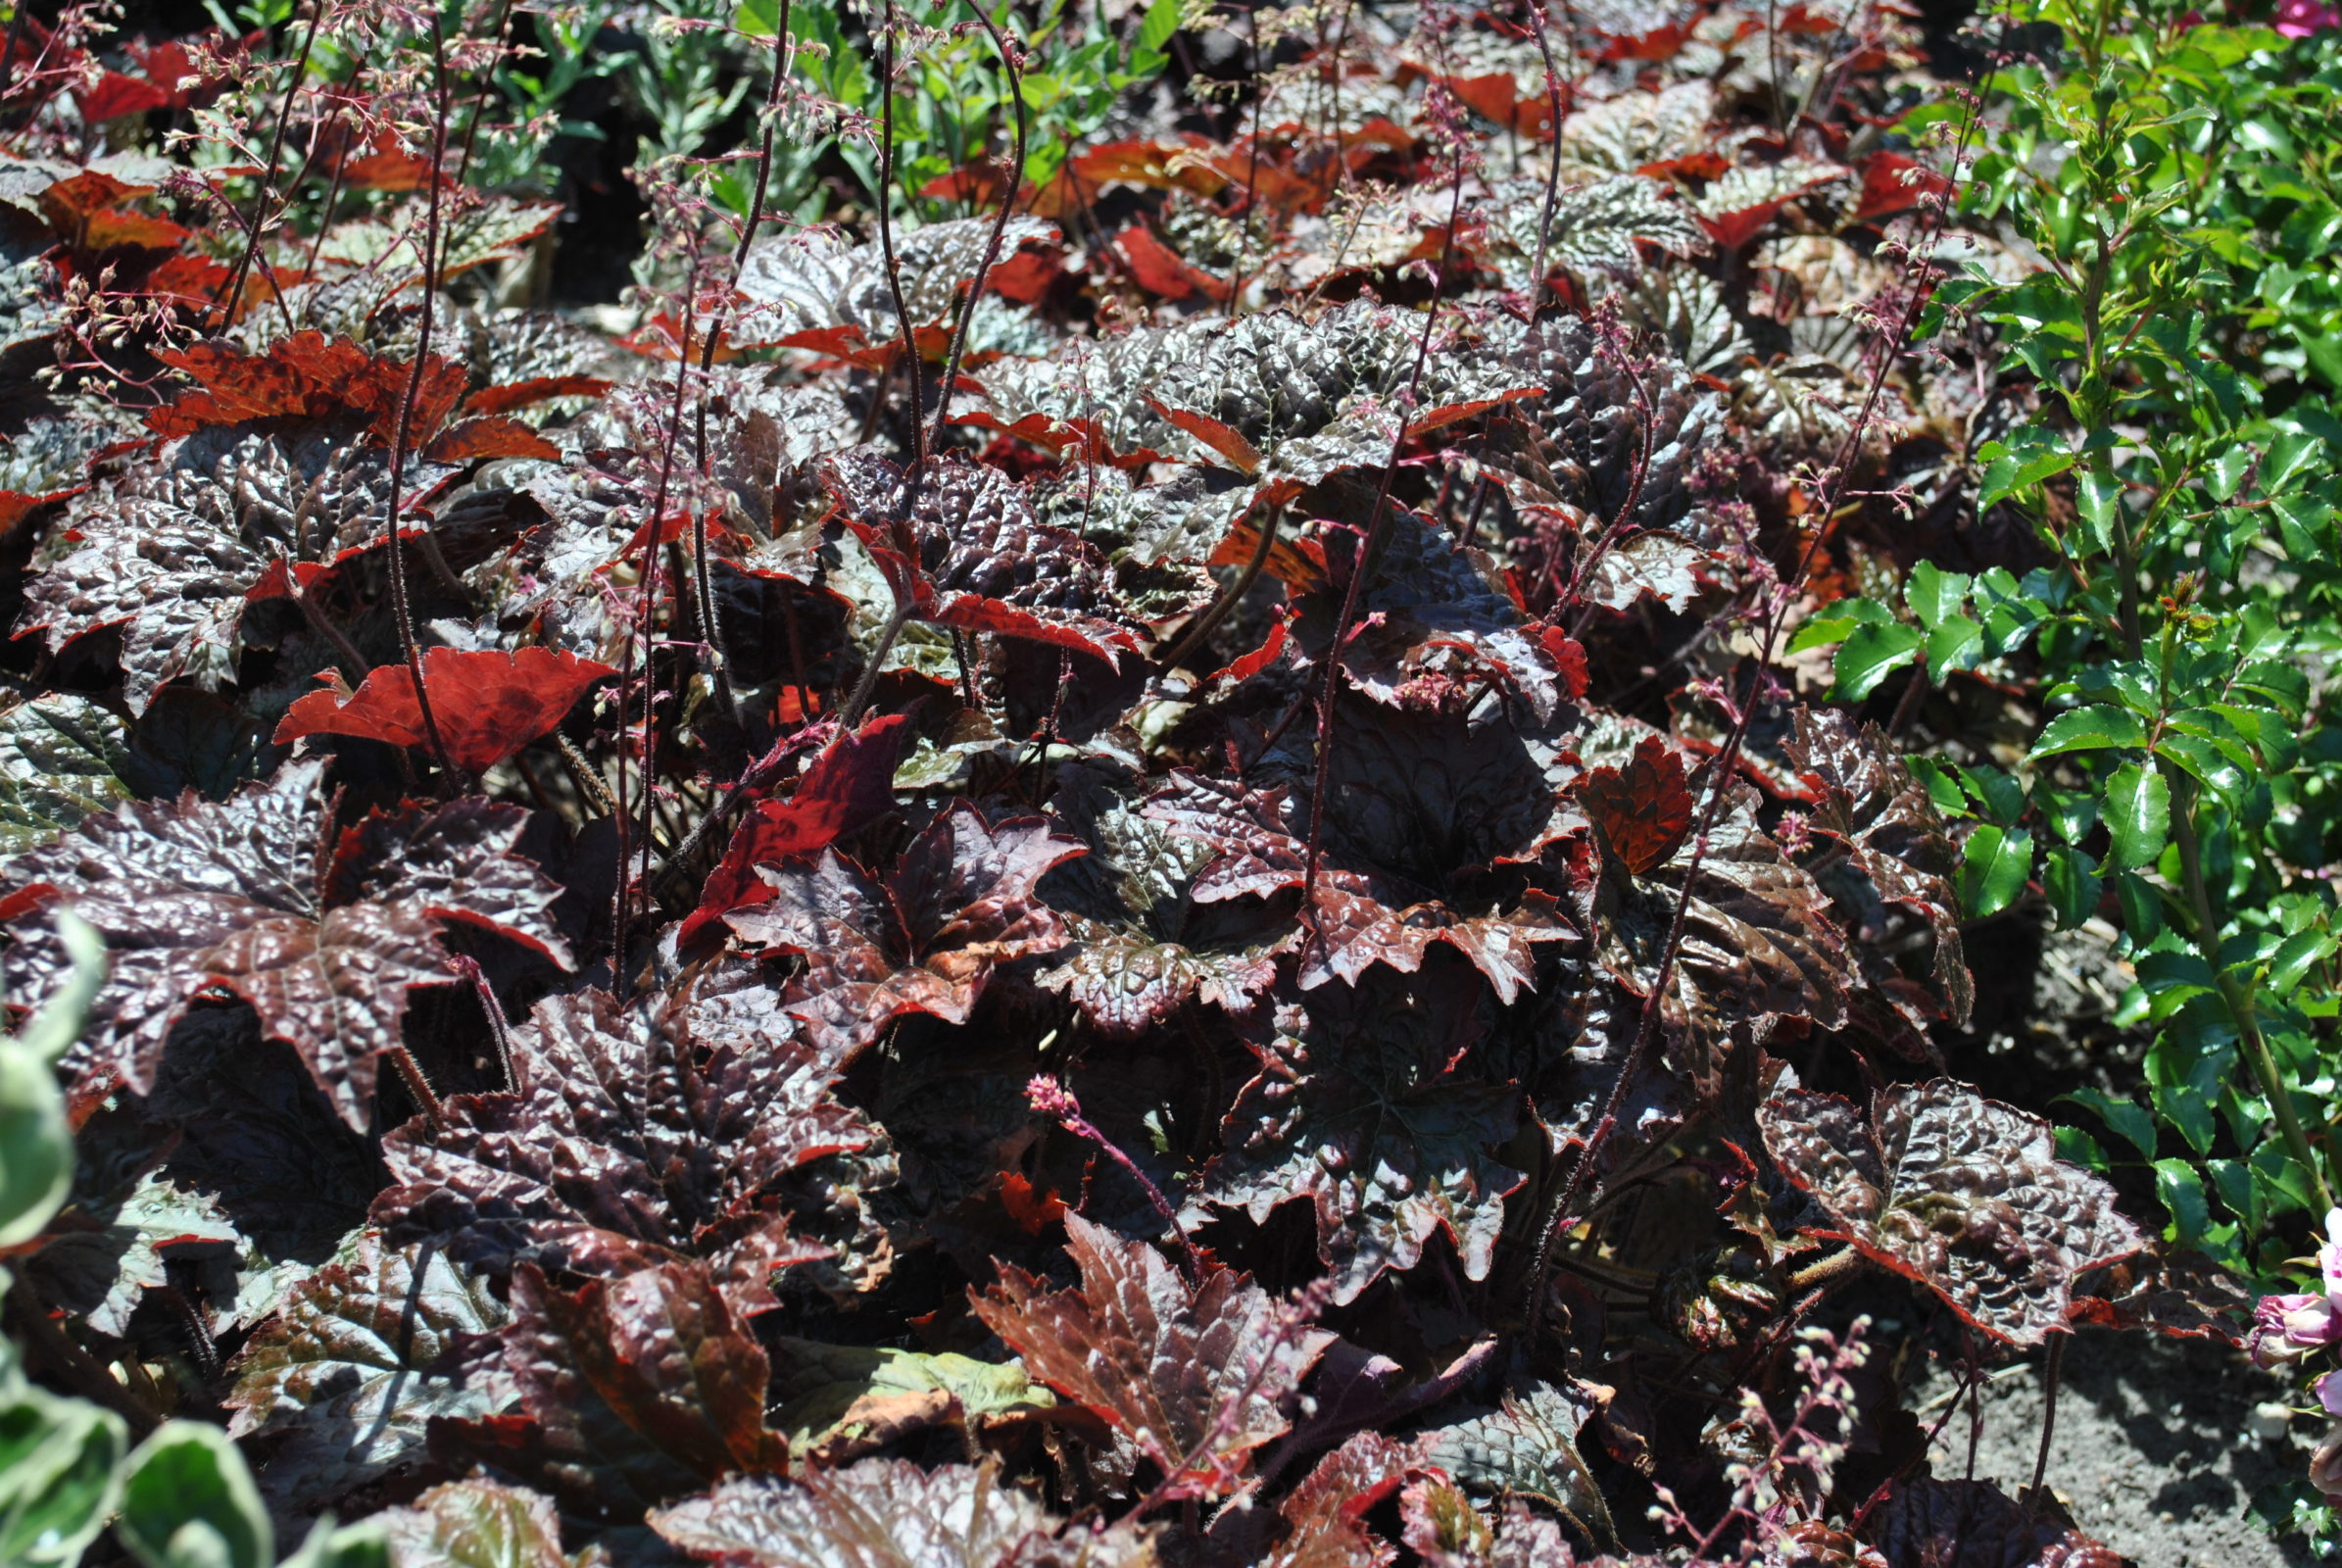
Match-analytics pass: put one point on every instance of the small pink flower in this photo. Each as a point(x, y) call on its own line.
point(2328, 1389)
point(2326, 1467)
point(2329, 1256)
point(2286, 1328)
point(2298, 19)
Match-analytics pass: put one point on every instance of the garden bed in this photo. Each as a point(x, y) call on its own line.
point(1130, 784)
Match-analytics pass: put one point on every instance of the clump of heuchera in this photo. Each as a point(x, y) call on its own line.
point(2292, 1330)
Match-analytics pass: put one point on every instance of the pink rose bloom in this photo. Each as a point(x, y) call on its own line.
point(2286, 1328)
point(2298, 19)
point(2329, 1256)
point(2326, 1467)
point(2328, 1389)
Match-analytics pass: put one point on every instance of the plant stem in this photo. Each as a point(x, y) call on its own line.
point(2249, 1039)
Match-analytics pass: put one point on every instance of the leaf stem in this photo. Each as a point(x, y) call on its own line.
point(2239, 1001)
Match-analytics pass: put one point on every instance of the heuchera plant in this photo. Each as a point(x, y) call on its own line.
point(1129, 860)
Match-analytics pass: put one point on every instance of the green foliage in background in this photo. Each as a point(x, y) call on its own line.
point(2177, 183)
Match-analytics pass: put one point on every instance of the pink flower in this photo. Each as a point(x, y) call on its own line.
point(2328, 1389)
point(2286, 1328)
point(2329, 1256)
point(2326, 1467)
point(2298, 19)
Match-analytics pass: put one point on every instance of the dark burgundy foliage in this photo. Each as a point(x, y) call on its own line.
point(1229, 942)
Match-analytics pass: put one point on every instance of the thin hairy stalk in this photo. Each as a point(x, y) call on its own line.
point(2052, 1365)
point(645, 608)
point(1544, 222)
point(480, 100)
point(1362, 562)
point(711, 625)
point(583, 774)
point(1234, 595)
point(886, 245)
point(1726, 762)
point(401, 607)
point(8, 47)
point(469, 968)
point(351, 660)
point(1617, 526)
point(1013, 180)
point(267, 174)
point(333, 196)
point(1244, 235)
point(411, 1074)
point(1054, 1101)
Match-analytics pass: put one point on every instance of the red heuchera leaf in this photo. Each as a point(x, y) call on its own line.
point(1894, 183)
point(1404, 785)
point(631, 1140)
point(960, 901)
point(1144, 945)
point(1757, 936)
point(1163, 272)
point(1248, 666)
point(1365, 1106)
point(344, 1372)
point(1643, 809)
point(85, 213)
point(1324, 1516)
point(633, 1391)
point(117, 95)
point(1869, 805)
point(446, 1526)
point(488, 704)
point(305, 376)
point(2183, 1296)
point(196, 895)
point(491, 436)
point(847, 788)
point(981, 560)
point(537, 389)
point(1196, 1374)
point(1963, 1194)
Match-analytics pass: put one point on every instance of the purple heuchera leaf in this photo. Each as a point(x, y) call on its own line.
point(1197, 1374)
point(972, 555)
point(1364, 1107)
point(1963, 1194)
point(961, 900)
point(630, 1140)
point(246, 893)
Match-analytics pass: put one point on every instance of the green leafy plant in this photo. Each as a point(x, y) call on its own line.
point(954, 107)
point(2174, 180)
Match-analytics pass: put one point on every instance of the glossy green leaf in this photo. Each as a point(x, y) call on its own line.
point(2183, 1193)
point(1869, 654)
point(1994, 869)
point(2096, 727)
point(2135, 1122)
point(2138, 816)
point(189, 1501)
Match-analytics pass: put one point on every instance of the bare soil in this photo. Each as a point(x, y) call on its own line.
point(2157, 1449)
